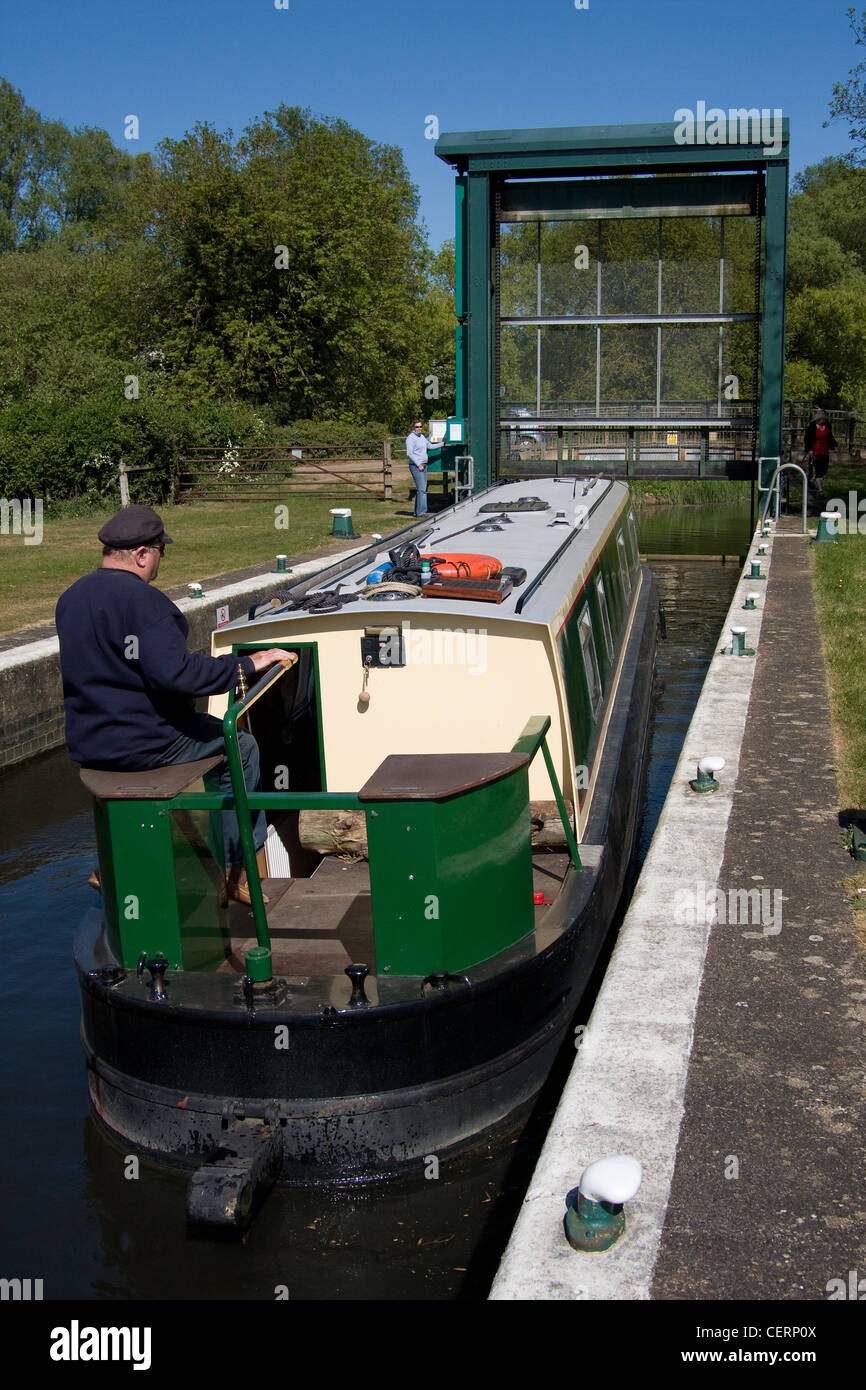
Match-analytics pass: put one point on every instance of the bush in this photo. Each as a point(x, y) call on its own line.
point(342, 439)
point(70, 453)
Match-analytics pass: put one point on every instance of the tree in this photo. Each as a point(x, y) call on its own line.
point(849, 98)
point(298, 268)
point(53, 179)
point(434, 328)
point(827, 285)
point(827, 329)
point(19, 128)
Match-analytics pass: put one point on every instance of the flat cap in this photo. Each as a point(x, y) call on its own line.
point(133, 526)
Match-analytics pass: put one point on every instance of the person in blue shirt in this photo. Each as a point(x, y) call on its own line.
point(130, 683)
point(417, 445)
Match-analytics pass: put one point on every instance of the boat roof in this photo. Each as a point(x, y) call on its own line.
point(572, 516)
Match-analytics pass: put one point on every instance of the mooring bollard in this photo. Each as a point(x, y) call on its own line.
point(738, 644)
point(341, 524)
point(706, 780)
point(828, 523)
point(594, 1218)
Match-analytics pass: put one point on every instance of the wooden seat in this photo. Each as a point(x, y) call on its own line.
point(434, 776)
point(156, 784)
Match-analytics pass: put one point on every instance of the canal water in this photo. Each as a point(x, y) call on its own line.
point(75, 1214)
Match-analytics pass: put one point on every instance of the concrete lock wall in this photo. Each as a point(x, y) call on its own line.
point(31, 702)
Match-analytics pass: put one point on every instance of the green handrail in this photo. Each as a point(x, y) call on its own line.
point(242, 809)
point(533, 738)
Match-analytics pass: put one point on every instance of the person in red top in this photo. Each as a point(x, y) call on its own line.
point(819, 441)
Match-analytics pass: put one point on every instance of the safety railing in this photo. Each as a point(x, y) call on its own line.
point(775, 489)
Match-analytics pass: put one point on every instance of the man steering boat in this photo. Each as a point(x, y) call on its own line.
point(130, 683)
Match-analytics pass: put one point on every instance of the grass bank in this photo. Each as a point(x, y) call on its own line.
point(839, 573)
point(697, 492)
point(840, 593)
point(210, 538)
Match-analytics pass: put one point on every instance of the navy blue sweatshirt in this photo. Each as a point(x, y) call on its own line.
point(129, 683)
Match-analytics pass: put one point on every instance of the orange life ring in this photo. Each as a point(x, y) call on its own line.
point(453, 566)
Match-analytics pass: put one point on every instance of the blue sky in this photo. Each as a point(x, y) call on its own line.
point(385, 65)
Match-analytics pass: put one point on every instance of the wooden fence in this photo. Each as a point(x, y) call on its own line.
point(270, 475)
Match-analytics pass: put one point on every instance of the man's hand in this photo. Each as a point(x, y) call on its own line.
point(262, 660)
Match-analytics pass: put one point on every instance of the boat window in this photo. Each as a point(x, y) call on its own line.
point(590, 661)
point(632, 535)
point(605, 618)
point(624, 572)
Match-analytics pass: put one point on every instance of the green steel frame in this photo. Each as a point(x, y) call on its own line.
point(722, 179)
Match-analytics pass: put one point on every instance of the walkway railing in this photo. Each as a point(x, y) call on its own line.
point(775, 488)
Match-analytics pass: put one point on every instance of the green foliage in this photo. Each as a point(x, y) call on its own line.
point(53, 179)
point(826, 310)
point(298, 267)
point(828, 327)
point(273, 284)
point(849, 98)
point(435, 392)
point(339, 437)
point(804, 381)
point(62, 451)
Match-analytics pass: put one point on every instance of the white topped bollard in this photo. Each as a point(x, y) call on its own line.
point(706, 780)
point(827, 529)
point(341, 523)
point(594, 1218)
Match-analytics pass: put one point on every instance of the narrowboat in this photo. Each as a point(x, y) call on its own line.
point(451, 770)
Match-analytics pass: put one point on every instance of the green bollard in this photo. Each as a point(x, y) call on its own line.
point(594, 1218)
point(341, 524)
point(827, 529)
point(706, 780)
point(258, 962)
